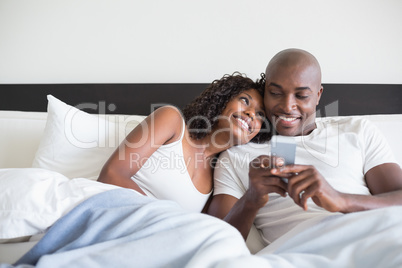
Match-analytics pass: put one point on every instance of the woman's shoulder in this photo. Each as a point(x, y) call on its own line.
point(170, 120)
point(166, 115)
point(169, 112)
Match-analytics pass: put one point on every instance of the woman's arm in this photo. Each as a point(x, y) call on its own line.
point(161, 127)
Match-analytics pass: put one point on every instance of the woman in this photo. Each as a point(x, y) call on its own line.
point(170, 155)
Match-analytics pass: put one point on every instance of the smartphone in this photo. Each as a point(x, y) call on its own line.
point(284, 147)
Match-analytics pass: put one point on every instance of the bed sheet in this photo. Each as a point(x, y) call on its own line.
point(119, 229)
point(115, 228)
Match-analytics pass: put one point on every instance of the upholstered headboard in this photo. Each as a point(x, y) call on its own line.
point(337, 99)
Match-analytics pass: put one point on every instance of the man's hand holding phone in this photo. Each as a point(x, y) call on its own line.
point(303, 181)
point(262, 181)
point(278, 173)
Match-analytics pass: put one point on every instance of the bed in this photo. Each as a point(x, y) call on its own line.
point(35, 127)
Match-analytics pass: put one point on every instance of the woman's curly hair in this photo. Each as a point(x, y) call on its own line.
point(201, 115)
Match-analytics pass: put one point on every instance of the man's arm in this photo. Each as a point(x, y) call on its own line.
point(240, 213)
point(233, 211)
point(384, 182)
point(383, 178)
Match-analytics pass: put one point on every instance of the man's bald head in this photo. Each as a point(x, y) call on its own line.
point(296, 58)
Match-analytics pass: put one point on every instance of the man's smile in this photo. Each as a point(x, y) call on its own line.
point(286, 120)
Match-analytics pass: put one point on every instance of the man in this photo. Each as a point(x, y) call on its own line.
point(342, 165)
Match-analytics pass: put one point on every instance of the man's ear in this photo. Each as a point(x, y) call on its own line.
point(319, 94)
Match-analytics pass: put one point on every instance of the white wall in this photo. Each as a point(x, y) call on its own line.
point(179, 41)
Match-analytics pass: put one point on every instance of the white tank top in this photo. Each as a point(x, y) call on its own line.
point(164, 175)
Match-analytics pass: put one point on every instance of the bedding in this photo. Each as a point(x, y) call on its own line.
point(65, 157)
point(363, 239)
point(32, 199)
point(121, 228)
point(77, 144)
point(17, 148)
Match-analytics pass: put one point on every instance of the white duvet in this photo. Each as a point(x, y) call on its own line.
point(365, 239)
point(32, 199)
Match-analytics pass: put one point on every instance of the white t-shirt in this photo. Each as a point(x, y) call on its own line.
point(342, 149)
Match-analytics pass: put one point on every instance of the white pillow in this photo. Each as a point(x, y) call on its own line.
point(77, 144)
point(31, 200)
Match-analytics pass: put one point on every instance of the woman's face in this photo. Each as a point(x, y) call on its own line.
point(242, 117)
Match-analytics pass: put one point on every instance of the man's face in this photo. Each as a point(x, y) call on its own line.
point(291, 96)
